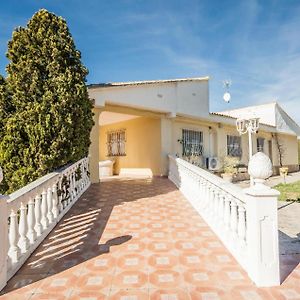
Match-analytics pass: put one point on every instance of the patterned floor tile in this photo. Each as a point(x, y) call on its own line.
point(143, 241)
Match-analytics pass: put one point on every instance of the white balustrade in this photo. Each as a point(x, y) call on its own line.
point(232, 213)
point(29, 214)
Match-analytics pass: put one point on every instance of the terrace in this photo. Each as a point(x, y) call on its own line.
point(139, 238)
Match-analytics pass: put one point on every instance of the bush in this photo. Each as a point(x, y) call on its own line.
point(48, 120)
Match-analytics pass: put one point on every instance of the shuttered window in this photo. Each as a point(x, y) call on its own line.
point(260, 144)
point(234, 146)
point(192, 142)
point(116, 143)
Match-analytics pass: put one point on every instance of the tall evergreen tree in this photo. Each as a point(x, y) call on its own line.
point(51, 114)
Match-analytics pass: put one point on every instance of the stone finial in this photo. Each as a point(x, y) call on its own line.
point(260, 168)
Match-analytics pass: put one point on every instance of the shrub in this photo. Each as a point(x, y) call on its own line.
point(49, 117)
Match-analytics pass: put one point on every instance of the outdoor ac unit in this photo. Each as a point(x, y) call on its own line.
point(213, 163)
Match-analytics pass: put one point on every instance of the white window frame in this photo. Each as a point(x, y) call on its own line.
point(234, 145)
point(260, 142)
point(192, 142)
point(116, 141)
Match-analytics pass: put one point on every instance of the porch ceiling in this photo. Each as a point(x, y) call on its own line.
point(108, 117)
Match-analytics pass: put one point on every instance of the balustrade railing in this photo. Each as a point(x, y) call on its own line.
point(30, 213)
point(240, 218)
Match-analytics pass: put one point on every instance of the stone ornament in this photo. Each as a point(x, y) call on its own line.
point(260, 168)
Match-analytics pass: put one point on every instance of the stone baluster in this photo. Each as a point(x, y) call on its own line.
point(262, 224)
point(217, 195)
point(23, 228)
point(233, 217)
point(242, 223)
point(13, 236)
point(82, 178)
point(60, 196)
point(221, 208)
point(31, 234)
point(4, 262)
point(55, 209)
point(44, 206)
point(227, 211)
point(49, 205)
point(38, 215)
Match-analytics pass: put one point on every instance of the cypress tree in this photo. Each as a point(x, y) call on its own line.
point(51, 115)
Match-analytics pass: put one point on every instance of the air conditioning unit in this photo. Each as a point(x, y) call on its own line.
point(213, 163)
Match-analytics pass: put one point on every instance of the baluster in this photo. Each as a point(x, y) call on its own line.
point(216, 203)
point(44, 219)
point(50, 205)
point(75, 184)
point(205, 194)
point(70, 189)
point(233, 216)
point(242, 223)
point(31, 221)
point(60, 196)
point(38, 214)
point(13, 237)
point(81, 180)
point(23, 228)
point(211, 200)
point(55, 209)
point(226, 211)
point(221, 207)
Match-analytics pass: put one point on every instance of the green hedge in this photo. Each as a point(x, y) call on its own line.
point(46, 115)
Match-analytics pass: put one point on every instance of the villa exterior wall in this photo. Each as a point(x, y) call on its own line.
point(189, 98)
point(149, 141)
point(143, 146)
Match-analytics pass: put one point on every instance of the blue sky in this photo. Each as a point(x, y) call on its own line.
point(253, 43)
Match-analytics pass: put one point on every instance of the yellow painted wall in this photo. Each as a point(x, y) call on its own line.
point(290, 150)
point(143, 144)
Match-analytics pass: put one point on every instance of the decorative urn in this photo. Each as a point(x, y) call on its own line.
point(260, 168)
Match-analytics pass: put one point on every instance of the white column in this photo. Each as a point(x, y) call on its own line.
point(4, 240)
point(49, 205)
point(23, 241)
point(13, 235)
point(44, 207)
point(38, 215)
point(31, 234)
point(55, 209)
point(262, 224)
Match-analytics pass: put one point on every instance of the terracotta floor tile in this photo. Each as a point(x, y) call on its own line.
point(90, 295)
point(165, 279)
point(94, 281)
point(130, 279)
point(138, 239)
point(129, 294)
point(169, 294)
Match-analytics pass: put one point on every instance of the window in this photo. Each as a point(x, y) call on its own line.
point(192, 142)
point(116, 143)
point(234, 146)
point(260, 144)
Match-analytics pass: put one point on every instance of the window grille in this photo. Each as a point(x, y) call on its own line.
point(116, 143)
point(192, 142)
point(234, 146)
point(260, 144)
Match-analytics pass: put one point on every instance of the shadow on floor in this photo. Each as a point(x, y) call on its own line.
point(289, 249)
point(76, 237)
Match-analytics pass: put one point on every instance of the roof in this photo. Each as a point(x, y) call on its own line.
point(128, 83)
point(222, 114)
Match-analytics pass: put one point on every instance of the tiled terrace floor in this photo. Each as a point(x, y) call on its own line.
point(137, 239)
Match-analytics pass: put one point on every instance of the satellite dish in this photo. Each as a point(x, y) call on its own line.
point(226, 97)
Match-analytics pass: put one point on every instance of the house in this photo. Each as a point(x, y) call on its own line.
point(137, 124)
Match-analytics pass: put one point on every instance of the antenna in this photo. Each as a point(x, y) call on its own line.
point(226, 85)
